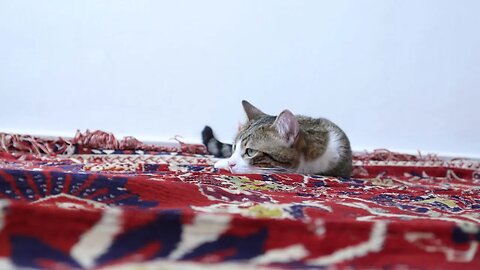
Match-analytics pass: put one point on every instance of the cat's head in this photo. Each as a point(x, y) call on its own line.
point(265, 143)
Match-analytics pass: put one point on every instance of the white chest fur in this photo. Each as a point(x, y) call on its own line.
point(324, 162)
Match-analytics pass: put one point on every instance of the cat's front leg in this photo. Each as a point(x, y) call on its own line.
point(222, 164)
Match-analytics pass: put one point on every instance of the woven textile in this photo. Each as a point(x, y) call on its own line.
point(94, 202)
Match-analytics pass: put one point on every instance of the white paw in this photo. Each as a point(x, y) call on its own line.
point(221, 164)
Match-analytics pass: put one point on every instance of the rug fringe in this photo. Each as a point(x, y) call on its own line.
point(21, 143)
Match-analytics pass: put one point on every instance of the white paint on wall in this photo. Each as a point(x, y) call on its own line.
point(397, 74)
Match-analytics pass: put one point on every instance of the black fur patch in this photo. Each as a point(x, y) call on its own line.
point(214, 146)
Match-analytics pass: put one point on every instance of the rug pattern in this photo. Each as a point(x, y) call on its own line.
point(94, 202)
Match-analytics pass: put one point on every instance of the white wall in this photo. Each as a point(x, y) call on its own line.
point(397, 74)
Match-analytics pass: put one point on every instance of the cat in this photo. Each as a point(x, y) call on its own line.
point(285, 143)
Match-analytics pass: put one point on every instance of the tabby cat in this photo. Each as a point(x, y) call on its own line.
point(285, 143)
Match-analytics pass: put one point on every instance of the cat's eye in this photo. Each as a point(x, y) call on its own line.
point(250, 152)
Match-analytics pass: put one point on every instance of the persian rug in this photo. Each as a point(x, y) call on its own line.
point(94, 202)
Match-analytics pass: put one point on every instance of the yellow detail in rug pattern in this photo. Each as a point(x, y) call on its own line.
point(261, 211)
point(447, 202)
point(245, 183)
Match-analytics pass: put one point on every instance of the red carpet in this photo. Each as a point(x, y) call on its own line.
point(98, 203)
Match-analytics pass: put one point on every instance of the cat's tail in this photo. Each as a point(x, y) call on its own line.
point(214, 146)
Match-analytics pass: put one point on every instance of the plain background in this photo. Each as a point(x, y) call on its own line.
point(404, 75)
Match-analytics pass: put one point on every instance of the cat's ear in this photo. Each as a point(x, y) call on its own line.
point(287, 126)
point(252, 112)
